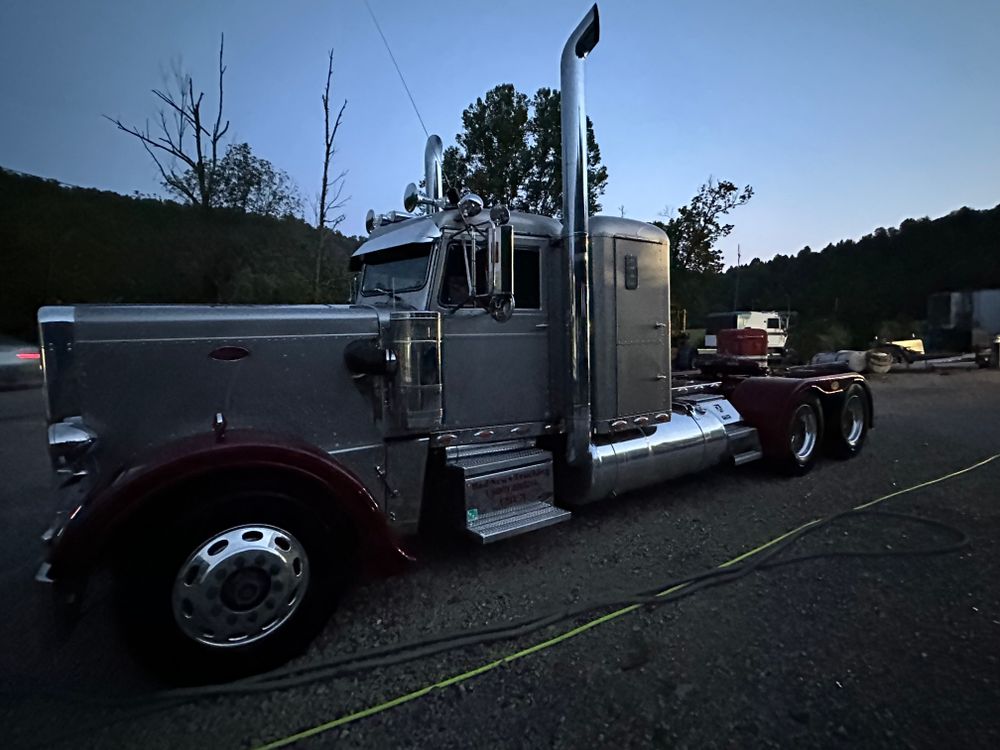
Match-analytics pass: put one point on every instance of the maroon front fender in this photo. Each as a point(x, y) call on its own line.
point(109, 507)
point(767, 403)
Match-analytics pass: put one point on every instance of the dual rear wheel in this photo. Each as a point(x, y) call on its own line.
point(841, 430)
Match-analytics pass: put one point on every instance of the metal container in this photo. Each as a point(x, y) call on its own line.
point(742, 342)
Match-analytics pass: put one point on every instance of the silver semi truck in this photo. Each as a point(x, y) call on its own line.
point(237, 466)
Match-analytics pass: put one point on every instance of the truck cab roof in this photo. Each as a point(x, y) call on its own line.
point(430, 227)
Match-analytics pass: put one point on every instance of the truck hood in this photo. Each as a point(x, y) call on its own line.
point(146, 375)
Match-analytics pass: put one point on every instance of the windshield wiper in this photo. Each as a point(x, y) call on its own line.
point(383, 290)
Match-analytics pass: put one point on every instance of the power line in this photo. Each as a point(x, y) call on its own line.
point(393, 58)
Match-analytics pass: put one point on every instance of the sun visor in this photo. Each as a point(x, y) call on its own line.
point(404, 233)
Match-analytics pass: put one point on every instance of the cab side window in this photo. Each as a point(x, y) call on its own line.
point(527, 278)
point(457, 270)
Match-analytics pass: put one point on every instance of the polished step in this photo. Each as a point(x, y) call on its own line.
point(746, 457)
point(744, 444)
point(517, 519)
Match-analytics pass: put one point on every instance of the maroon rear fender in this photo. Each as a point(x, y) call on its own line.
point(109, 508)
point(767, 403)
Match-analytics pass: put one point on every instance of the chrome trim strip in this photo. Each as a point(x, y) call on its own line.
point(695, 388)
point(492, 434)
point(57, 314)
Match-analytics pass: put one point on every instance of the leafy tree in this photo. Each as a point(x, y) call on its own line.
point(543, 188)
point(455, 169)
point(245, 183)
point(510, 152)
point(252, 185)
point(494, 146)
point(697, 227)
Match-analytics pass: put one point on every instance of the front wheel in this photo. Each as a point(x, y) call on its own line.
point(237, 586)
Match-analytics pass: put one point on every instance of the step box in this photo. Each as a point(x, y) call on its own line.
point(503, 494)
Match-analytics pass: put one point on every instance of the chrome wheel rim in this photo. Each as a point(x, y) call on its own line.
point(804, 433)
point(852, 420)
point(240, 586)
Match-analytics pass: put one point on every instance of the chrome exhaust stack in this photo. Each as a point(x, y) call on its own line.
point(703, 430)
point(432, 199)
point(433, 184)
point(575, 250)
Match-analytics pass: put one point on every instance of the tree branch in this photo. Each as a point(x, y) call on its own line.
point(326, 203)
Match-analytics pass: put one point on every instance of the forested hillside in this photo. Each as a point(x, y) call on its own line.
point(66, 245)
point(880, 281)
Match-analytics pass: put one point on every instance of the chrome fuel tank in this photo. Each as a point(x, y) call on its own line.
point(695, 438)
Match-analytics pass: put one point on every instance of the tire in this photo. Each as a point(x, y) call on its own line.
point(848, 428)
point(803, 436)
point(236, 585)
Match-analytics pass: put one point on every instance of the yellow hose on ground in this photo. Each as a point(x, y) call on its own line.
point(573, 632)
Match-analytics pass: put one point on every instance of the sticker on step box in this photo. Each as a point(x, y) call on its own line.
point(503, 489)
point(723, 410)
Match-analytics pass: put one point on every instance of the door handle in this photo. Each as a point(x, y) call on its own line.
point(659, 325)
point(541, 325)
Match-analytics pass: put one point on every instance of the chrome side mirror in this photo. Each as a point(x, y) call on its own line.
point(500, 240)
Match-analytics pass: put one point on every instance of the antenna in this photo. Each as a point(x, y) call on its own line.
point(396, 64)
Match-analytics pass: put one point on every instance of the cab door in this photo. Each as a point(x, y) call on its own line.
point(494, 373)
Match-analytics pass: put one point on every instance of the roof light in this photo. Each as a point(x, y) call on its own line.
point(470, 204)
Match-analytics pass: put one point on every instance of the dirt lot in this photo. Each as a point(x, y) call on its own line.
point(878, 652)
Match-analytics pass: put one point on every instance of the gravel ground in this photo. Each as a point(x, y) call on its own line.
point(888, 652)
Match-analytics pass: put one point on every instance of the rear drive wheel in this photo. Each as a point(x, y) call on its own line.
point(802, 436)
point(237, 586)
point(846, 434)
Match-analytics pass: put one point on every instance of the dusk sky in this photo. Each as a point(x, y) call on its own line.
point(844, 116)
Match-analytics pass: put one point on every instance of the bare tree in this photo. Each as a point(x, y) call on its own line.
point(331, 191)
point(181, 117)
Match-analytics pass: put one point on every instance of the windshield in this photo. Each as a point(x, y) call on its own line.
point(398, 269)
point(717, 321)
